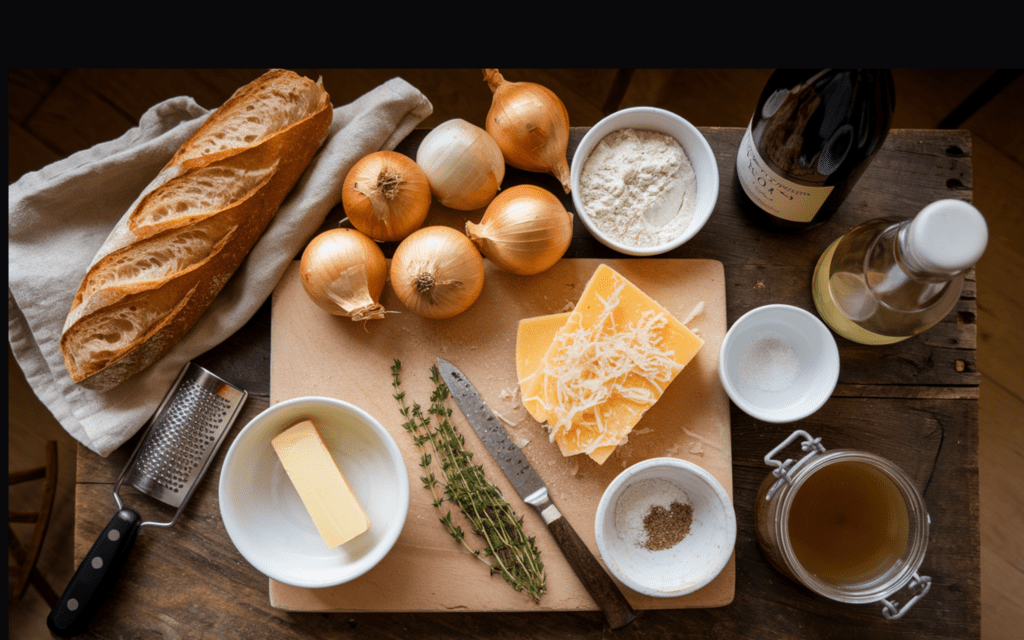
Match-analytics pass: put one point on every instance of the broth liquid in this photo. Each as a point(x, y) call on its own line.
point(848, 523)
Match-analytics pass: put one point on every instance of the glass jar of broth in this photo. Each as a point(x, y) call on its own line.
point(848, 525)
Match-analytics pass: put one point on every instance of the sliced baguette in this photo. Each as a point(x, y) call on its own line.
point(176, 247)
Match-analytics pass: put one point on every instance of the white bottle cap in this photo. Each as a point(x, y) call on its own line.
point(947, 236)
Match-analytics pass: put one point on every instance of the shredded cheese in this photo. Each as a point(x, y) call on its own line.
point(605, 368)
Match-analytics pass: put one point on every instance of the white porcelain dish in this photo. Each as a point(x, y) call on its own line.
point(789, 393)
point(696, 146)
point(265, 517)
point(690, 564)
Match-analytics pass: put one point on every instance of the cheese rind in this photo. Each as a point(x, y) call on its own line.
point(323, 488)
point(604, 365)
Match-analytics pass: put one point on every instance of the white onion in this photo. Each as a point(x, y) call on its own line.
point(463, 164)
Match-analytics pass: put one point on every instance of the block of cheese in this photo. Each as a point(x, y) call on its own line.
point(603, 366)
point(335, 509)
point(532, 341)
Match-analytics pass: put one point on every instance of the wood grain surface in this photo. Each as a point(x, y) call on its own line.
point(914, 402)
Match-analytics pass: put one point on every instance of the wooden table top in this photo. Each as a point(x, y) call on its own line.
point(914, 402)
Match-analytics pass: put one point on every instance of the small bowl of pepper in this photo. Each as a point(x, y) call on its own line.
point(665, 527)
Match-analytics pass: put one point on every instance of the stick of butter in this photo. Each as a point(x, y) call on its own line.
point(335, 509)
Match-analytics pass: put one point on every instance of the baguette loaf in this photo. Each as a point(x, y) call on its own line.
point(183, 238)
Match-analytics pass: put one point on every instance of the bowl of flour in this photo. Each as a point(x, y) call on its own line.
point(644, 181)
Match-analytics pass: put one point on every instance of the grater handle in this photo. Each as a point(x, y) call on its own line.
point(95, 577)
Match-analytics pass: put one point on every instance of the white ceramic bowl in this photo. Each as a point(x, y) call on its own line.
point(779, 363)
point(694, 561)
point(695, 145)
point(265, 517)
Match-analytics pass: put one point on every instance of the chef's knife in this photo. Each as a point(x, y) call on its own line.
point(534, 492)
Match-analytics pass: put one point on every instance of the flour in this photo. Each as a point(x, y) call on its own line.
point(625, 174)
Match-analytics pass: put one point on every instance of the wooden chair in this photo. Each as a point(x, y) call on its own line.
point(24, 571)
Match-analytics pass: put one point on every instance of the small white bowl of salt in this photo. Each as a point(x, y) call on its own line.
point(644, 181)
point(665, 527)
point(779, 363)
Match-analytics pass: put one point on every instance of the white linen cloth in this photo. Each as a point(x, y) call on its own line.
point(58, 217)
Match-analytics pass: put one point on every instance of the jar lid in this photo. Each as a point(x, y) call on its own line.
point(948, 236)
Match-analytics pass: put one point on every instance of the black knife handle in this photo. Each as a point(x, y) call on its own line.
point(96, 576)
point(602, 588)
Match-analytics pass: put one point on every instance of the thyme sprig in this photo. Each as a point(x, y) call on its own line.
point(452, 477)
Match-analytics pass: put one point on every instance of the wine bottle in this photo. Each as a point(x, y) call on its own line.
point(812, 135)
point(890, 279)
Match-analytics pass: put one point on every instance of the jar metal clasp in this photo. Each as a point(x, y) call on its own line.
point(810, 445)
point(918, 587)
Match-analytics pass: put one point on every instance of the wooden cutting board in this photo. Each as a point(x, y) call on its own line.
point(314, 353)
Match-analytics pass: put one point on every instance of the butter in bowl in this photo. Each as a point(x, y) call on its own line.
point(314, 492)
point(665, 527)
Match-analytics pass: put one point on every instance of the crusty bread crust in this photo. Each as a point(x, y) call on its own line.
point(176, 247)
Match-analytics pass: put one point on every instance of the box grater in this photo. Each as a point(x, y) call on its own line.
point(177, 446)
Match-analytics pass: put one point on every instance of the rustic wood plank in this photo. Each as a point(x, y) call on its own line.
point(905, 391)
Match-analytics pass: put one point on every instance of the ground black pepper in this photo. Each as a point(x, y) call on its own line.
point(667, 527)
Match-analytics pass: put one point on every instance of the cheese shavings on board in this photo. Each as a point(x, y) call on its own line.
point(591, 374)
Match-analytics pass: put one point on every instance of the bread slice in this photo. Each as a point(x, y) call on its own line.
point(180, 242)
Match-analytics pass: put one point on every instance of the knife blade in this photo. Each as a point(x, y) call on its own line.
point(534, 492)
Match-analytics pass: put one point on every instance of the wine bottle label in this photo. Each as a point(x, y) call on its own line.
point(772, 192)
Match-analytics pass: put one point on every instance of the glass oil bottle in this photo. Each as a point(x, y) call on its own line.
point(890, 279)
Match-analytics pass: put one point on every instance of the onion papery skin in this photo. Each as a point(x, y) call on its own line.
point(344, 272)
point(386, 196)
point(524, 231)
point(437, 272)
point(531, 126)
